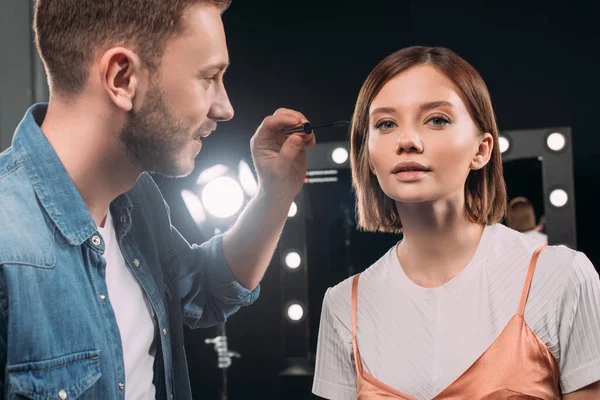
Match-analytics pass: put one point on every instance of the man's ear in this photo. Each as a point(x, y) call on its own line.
point(121, 73)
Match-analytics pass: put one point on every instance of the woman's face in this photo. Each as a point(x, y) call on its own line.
point(422, 140)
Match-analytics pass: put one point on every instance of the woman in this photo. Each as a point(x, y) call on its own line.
point(520, 216)
point(449, 312)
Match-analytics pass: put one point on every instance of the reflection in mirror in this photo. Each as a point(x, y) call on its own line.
point(524, 186)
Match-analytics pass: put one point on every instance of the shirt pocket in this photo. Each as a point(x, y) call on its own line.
point(68, 377)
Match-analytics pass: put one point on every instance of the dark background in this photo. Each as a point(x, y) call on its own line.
point(538, 60)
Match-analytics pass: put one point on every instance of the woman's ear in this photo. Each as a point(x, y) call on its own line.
point(483, 152)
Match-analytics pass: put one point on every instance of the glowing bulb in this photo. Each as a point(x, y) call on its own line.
point(293, 210)
point(556, 141)
point(504, 144)
point(293, 260)
point(295, 312)
point(559, 198)
point(223, 197)
point(339, 155)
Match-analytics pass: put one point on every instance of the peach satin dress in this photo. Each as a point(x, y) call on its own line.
point(516, 366)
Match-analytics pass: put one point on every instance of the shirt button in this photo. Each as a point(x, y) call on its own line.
point(136, 262)
point(96, 240)
point(121, 386)
point(123, 219)
point(62, 394)
point(102, 297)
point(164, 331)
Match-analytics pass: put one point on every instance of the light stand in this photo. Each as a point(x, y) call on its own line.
point(223, 356)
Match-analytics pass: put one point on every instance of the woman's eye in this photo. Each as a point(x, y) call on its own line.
point(438, 121)
point(385, 125)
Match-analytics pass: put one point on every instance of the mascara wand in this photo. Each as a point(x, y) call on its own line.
point(307, 127)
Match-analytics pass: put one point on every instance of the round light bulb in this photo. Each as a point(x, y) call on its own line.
point(558, 198)
point(295, 312)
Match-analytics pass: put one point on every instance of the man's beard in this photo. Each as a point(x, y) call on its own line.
point(154, 138)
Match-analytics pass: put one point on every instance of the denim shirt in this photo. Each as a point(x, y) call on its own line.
point(59, 338)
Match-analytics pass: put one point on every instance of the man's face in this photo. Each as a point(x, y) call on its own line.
point(185, 99)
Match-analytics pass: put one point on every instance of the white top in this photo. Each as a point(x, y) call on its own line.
point(133, 314)
point(542, 237)
point(419, 340)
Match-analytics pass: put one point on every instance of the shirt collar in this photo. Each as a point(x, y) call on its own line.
point(52, 184)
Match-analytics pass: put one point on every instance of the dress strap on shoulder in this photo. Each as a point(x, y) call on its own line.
point(355, 353)
point(528, 279)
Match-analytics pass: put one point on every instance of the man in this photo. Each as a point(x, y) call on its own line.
point(95, 282)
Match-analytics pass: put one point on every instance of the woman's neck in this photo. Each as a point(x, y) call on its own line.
point(439, 241)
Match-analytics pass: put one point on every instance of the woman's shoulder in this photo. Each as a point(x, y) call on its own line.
point(507, 240)
point(338, 298)
point(557, 263)
point(571, 266)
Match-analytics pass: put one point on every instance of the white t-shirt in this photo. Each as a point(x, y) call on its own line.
point(133, 314)
point(542, 237)
point(419, 340)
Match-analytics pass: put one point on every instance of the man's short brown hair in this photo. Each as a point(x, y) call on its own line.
point(485, 190)
point(69, 33)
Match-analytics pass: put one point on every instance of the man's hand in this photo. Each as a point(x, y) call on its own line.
point(280, 160)
point(281, 165)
